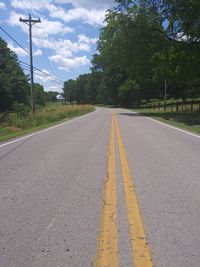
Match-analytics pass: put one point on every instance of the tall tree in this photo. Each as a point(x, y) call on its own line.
point(39, 94)
point(69, 90)
point(126, 47)
point(14, 87)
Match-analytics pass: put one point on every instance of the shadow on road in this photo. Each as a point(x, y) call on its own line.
point(131, 114)
point(190, 119)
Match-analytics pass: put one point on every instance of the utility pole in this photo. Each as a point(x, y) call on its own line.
point(30, 22)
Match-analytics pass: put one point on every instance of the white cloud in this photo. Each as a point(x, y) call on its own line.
point(21, 52)
point(38, 52)
point(31, 4)
point(65, 53)
point(13, 20)
point(18, 50)
point(93, 17)
point(64, 47)
point(54, 88)
point(93, 14)
point(85, 39)
point(69, 63)
point(47, 27)
point(102, 4)
point(64, 50)
point(49, 4)
point(44, 78)
point(2, 6)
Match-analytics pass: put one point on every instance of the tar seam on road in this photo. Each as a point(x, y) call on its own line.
point(107, 247)
point(107, 241)
point(140, 248)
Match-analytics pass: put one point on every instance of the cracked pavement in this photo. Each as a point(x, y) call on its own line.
point(52, 185)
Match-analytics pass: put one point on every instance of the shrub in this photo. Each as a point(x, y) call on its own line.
point(22, 110)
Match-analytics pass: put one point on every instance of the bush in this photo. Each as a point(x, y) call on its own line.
point(22, 110)
point(128, 93)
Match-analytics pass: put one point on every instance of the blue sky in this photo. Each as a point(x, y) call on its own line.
point(64, 41)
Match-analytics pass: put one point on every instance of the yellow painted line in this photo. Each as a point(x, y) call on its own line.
point(107, 247)
point(139, 246)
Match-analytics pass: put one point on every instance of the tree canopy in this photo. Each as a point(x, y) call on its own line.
point(14, 86)
point(144, 45)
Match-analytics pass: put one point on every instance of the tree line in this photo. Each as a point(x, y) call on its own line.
point(146, 46)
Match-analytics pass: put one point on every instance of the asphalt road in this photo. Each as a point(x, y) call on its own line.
point(101, 190)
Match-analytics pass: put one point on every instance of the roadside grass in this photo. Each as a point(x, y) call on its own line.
point(50, 115)
point(185, 120)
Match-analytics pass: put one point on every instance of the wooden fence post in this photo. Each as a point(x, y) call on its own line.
point(165, 106)
point(177, 106)
point(182, 105)
point(192, 105)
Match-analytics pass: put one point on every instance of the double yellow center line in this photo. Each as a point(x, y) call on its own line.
point(107, 249)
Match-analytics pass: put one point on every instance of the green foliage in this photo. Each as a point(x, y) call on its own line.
point(83, 89)
point(150, 42)
point(14, 85)
point(69, 90)
point(144, 45)
point(22, 110)
point(126, 47)
point(184, 19)
point(129, 93)
point(39, 94)
point(50, 96)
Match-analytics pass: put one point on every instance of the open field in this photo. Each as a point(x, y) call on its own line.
point(18, 125)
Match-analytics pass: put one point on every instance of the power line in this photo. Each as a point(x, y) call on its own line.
point(41, 75)
point(44, 32)
point(27, 53)
point(46, 64)
point(30, 22)
point(37, 71)
point(38, 74)
point(14, 40)
point(50, 66)
point(46, 74)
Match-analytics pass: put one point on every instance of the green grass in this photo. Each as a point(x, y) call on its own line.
point(50, 115)
point(185, 120)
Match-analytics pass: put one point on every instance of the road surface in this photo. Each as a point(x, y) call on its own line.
point(110, 188)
